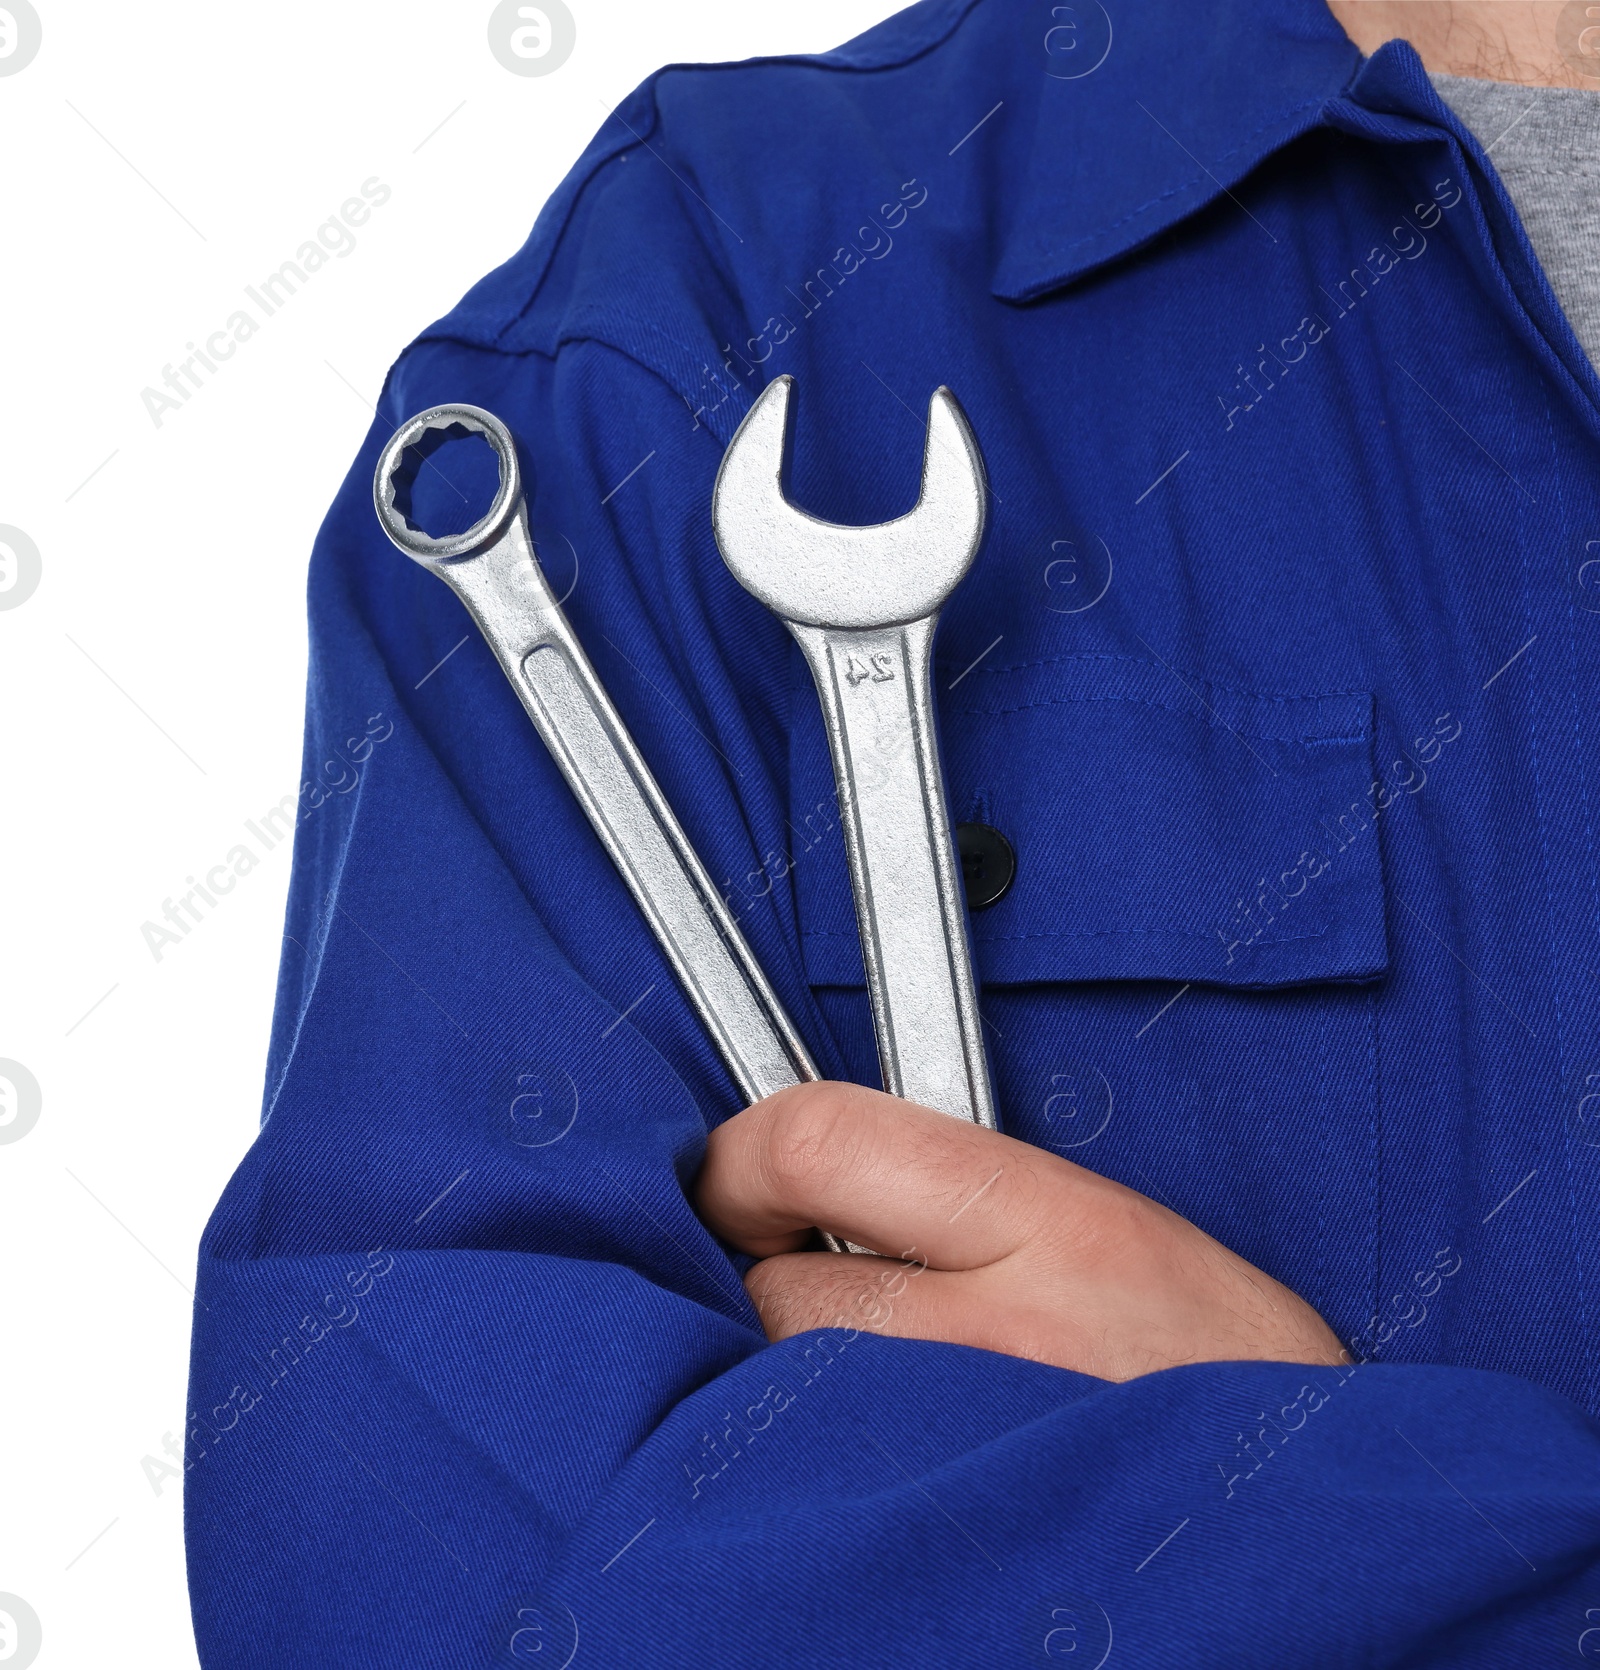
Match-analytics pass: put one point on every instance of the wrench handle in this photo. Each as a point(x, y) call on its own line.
point(506, 593)
point(876, 689)
point(493, 568)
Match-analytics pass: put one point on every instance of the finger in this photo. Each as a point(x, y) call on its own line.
point(877, 1171)
point(799, 1292)
point(796, 1292)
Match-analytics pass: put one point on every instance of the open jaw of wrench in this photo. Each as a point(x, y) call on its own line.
point(493, 569)
point(863, 604)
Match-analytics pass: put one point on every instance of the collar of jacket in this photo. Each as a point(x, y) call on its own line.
point(1175, 116)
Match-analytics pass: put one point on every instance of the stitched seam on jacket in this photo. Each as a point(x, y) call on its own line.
point(797, 60)
point(1140, 661)
point(1166, 707)
point(1087, 933)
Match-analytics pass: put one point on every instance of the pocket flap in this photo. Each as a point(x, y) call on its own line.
point(1165, 828)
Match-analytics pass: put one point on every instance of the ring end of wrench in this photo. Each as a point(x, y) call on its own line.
point(392, 472)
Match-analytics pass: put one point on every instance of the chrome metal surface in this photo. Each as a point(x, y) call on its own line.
point(862, 604)
point(493, 569)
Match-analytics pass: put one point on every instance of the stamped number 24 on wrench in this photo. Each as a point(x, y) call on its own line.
point(863, 602)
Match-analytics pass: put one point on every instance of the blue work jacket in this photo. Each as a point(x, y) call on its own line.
point(1278, 670)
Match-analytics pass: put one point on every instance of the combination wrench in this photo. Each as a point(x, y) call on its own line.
point(492, 567)
point(862, 602)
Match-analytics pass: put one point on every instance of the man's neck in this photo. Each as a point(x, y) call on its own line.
point(1539, 43)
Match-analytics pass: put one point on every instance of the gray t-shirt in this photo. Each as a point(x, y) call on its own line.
point(1545, 144)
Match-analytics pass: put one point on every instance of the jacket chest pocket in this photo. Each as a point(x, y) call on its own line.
point(1178, 984)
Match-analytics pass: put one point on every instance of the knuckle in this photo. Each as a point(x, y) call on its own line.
point(807, 1137)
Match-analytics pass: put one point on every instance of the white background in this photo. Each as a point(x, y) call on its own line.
point(158, 159)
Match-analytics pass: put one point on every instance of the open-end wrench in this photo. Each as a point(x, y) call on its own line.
point(863, 604)
point(492, 568)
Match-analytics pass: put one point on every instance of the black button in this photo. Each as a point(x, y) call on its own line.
point(988, 864)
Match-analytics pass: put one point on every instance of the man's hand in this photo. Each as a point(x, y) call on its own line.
point(987, 1242)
